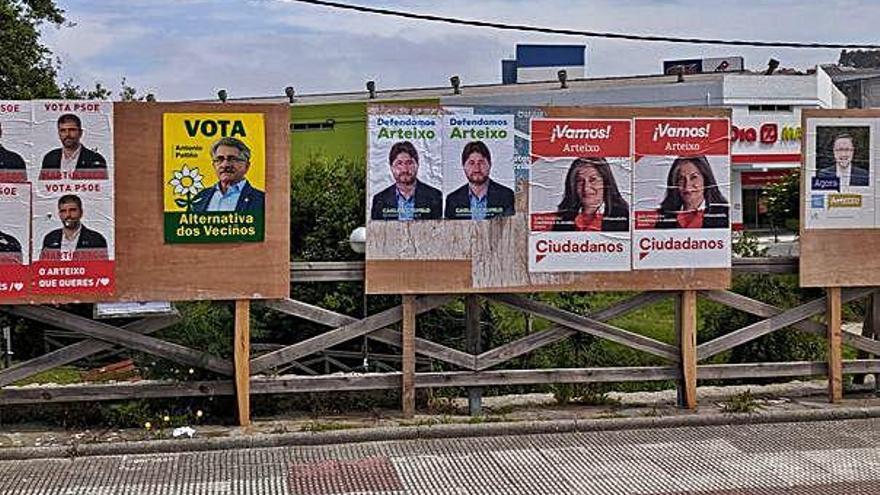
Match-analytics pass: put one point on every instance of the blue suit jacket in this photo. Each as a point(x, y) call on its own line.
point(250, 200)
point(858, 176)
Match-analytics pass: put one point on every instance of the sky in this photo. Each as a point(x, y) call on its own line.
point(189, 49)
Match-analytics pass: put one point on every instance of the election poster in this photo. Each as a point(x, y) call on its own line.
point(72, 206)
point(580, 195)
point(478, 165)
point(16, 149)
point(840, 177)
point(681, 186)
point(214, 178)
point(405, 165)
point(15, 239)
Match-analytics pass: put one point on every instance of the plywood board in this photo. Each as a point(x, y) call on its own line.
point(437, 256)
point(837, 257)
point(147, 269)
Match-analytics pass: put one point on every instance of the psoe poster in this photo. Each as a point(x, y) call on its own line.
point(579, 195)
point(15, 240)
point(681, 191)
point(214, 177)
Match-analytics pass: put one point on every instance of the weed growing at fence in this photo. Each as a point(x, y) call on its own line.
point(741, 403)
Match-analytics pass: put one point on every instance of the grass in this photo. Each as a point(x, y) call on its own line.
point(63, 375)
point(318, 426)
point(744, 403)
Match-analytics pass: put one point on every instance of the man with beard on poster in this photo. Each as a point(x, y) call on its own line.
point(73, 242)
point(232, 192)
point(10, 250)
point(481, 197)
point(408, 198)
point(693, 200)
point(72, 160)
point(12, 166)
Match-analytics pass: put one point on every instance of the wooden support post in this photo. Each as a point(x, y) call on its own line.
point(408, 379)
point(835, 357)
point(242, 355)
point(472, 333)
point(686, 326)
point(875, 330)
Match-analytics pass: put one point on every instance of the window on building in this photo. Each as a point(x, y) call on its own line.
point(326, 125)
point(770, 109)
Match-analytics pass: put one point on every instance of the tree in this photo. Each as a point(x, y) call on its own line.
point(860, 59)
point(26, 69)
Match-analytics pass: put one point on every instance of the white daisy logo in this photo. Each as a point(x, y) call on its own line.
point(186, 182)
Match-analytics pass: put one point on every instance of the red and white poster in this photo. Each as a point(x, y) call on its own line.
point(580, 195)
point(15, 141)
point(15, 236)
point(73, 227)
point(681, 190)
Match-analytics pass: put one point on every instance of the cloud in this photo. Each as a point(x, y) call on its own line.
point(186, 50)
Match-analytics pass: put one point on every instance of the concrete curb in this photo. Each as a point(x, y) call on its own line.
point(380, 434)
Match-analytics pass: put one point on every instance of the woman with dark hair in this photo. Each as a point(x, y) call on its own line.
point(693, 200)
point(592, 201)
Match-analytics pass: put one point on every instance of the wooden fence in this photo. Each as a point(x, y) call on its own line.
point(473, 367)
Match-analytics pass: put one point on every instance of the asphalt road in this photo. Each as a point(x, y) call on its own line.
point(840, 457)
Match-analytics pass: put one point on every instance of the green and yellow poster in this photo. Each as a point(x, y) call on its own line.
point(214, 177)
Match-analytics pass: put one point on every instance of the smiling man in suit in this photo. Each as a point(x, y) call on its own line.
point(72, 160)
point(232, 192)
point(73, 242)
point(408, 198)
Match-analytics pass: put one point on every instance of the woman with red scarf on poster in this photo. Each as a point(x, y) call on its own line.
point(693, 200)
point(592, 201)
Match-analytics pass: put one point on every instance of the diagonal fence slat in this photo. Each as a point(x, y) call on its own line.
point(315, 314)
point(529, 343)
point(341, 334)
point(589, 326)
point(125, 338)
point(772, 324)
point(427, 348)
point(79, 350)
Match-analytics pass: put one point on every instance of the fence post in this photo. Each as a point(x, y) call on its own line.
point(472, 331)
point(408, 378)
point(686, 333)
point(835, 359)
point(242, 352)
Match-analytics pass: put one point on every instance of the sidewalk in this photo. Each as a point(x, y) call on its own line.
point(503, 415)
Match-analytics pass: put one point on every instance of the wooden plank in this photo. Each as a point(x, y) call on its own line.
point(242, 355)
point(859, 366)
point(426, 348)
point(119, 336)
point(589, 326)
point(79, 350)
point(867, 346)
point(336, 336)
point(835, 347)
point(542, 376)
point(769, 325)
point(758, 308)
point(687, 338)
point(408, 367)
point(760, 370)
point(782, 264)
point(113, 391)
point(529, 343)
point(310, 312)
point(473, 338)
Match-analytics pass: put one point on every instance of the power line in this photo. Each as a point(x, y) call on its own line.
point(588, 34)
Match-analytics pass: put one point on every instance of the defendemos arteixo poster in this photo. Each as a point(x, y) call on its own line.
point(580, 195)
point(214, 177)
point(681, 189)
point(405, 165)
point(73, 247)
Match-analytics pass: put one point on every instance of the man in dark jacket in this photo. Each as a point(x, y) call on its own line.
point(408, 198)
point(73, 242)
point(12, 167)
point(72, 160)
point(10, 249)
point(481, 197)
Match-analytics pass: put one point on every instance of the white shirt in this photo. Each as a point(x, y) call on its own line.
point(68, 246)
point(68, 165)
point(843, 174)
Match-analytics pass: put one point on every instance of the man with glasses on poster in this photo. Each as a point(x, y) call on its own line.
point(845, 168)
point(232, 192)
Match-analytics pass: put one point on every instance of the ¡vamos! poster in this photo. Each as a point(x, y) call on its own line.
point(214, 177)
